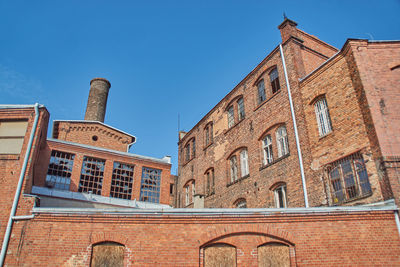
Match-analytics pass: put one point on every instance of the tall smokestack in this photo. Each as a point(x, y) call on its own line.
point(97, 101)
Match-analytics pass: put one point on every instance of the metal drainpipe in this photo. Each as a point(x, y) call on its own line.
point(396, 218)
point(303, 178)
point(19, 188)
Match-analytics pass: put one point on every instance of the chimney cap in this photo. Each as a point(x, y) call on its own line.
point(101, 79)
point(286, 20)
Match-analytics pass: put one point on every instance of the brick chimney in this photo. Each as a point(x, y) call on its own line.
point(97, 101)
point(288, 29)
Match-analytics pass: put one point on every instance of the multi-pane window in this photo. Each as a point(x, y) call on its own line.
point(231, 117)
point(244, 163)
point(194, 148)
point(280, 196)
point(261, 91)
point(150, 185)
point(91, 175)
point(210, 182)
point(233, 168)
point(187, 152)
point(193, 190)
point(60, 170)
point(241, 112)
point(12, 134)
point(190, 149)
point(209, 134)
point(323, 119)
point(241, 204)
point(349, 179)
point(122, 181)
point(187, 201)
point(282, 141)
point(267, 150)
point(274, 78)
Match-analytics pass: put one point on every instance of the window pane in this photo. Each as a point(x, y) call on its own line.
point(261, 91)
point(60, 170)
point(150, 185)
point(92, 175)
point(241, 109)
point(122, 181)
point(231, 118)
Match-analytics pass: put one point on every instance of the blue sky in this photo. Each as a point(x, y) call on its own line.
point(163, 58)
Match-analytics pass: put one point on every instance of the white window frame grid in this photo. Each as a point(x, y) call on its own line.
point(282, 141)
point(231, 117)
point(59, 171)
point(233, 168)
point(322, 116)
point(241, 112)
point(244, 163)
point(281, 188)
point(150, 185)
point(267, 150)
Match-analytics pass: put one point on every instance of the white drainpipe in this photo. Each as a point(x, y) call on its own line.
point(303, 177)
point(396, 218)
point(19, 188)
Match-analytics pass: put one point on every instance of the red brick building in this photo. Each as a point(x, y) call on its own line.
point(80, 199)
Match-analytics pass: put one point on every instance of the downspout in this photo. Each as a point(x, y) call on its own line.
point(296, 134)
point(19, 188)
point(396, 218)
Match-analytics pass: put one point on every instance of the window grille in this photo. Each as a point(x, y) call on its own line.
point(261, 91)
point(150, 185)
point(282, 141)
point(234, 169)
point(241, 112)
point(60, 170)
point(122, 181)
point(244, 163)
point(274, 78)
point(92, 175)
point(231, 117)
point(348, 179)
point(267, 149)
point(323, 119)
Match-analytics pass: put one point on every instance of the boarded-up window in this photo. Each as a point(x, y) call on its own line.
point(107, 254)
point(12, 134)
point(273, 254)
point(220, 255)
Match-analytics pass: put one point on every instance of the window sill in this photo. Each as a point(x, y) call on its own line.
point(233, 126)
point(238, 180)
point(267, 100)
point(9, 157)
point(352, 199)
point(326, 135)
point(207, 146)
point(275, 161)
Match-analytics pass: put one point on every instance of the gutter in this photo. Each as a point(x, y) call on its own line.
point(303, 177)
point(12, 217)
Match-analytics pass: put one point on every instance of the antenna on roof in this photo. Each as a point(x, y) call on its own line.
point(284, 16)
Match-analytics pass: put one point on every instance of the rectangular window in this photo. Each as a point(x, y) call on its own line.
point(150, 185)
point(187, 195)
point(349, 179)
point(234, 169)
point(274, 78)
point(187, 152)
point(122, 181)
point(280, 196)
point(323, 119)
point(267, 149)
point(261, 91)
point(92, 175)
point(193, 190)
point(244, 163)
point(194, 148)
point(12, 134)
point(209, 134)
point(60, 170)
point(231, 117)
point(241, 113)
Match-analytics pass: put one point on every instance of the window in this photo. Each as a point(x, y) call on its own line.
point(233, 168)
point(187, 152)
point(194, 148)
point(231, 117)
point(91, 175)
point(187, 200)
point(150, 185)
point(171, 189)
point(349, 179)
point(122, 181)
point(280, 196)
point(190, 149)
point(261, 91)
point(12, 134)
point(220, 255)
point(282, 141)
point(208, 134)
point(244, 163)
point(193, 190)
point(323, 119)
point(273, 254)
point(241, 112)
point(107, 254)
point(190, 191)
point(267, 149)
point(60, 170)
point(210, 182)
point(241, 203)
point(274, 78)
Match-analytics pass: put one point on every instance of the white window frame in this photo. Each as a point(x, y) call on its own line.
point(261, 91)
point(244, 163)
point(278, 204)
point(241, 112)
point(193, 190)
point(233, 168)
point(322, 116)
point(282, 141)
point(187, 195)
point(231, 117)
point(267, 150)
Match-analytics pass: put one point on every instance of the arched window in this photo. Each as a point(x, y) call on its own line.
point(274, 79)
point(187, 152)
point(190, 191)
point(261, 91)
point(240, 203)
point(231, 117)
point(241, 113)
point(107, 254)
point(323, 118)
point(282, 141)
point(244, 163)
point(210, 181)
point(190, 149)
point(267, 150)
point(280, 196)
point(233, 168)
point(208, 134)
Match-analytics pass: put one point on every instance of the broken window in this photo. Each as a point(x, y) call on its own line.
point(92, 175)
point(274, 78)
point(150, 185)
point(60, 170)
point(107, 254)
point(12, 135)
point(273, 254)
point(122, 181)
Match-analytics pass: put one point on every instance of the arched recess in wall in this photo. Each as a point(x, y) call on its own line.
point(107, 254)
point(273, 254)
point(219, 254)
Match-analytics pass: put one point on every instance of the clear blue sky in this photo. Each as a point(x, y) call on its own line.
point(163, 58)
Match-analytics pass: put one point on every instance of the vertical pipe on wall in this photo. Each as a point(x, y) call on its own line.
point(303, 178)
point(7, 234)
